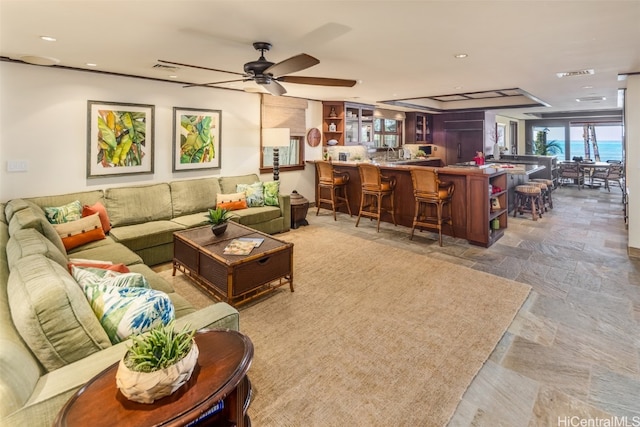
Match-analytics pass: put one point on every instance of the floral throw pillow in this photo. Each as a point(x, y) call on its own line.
point(254, 193)
point(271, 193)
point(66, 213)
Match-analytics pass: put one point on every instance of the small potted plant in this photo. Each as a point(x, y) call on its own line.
point(157, 363)
point(219, 217)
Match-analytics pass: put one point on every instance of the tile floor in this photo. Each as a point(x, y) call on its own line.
point(572, 354)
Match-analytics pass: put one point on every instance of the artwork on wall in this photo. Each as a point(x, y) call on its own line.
point(120, 139)
point(501, 130)
point(196, 139)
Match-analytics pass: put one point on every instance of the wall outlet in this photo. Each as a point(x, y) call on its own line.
point(17, 165)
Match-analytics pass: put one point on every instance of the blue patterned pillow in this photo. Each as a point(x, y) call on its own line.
point(271, 193)
point(254, 193)
point(123, 302)
point(66, 213)
point(123, 312)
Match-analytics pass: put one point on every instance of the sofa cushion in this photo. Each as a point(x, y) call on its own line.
point(228, 184)
point(147, 235)
point(85, 198)
point(65, 213)
point(29, 241)
point(16, 205)
point(51, 313)
point(256, 215)
point(138, 205)
point(232, 201)
point(154, 279)
point(193, 195)
point(80, 232)
point(115, 253)
point(33, 217)
point(254, 193)
point(192, 220)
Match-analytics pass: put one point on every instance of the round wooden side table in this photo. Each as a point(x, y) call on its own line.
point(220, 376)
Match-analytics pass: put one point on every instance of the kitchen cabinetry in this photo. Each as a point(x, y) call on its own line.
point(463, 134)
point(418, 128)
point(488, 202)
point(347, 123)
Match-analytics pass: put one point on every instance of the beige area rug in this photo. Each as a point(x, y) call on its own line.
point(372, 336)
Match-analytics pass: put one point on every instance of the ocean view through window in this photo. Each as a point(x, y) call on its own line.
point(608, 138)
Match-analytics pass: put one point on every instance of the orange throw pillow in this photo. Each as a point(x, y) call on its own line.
point(77, 233)
point(233, 201)
point(99, 208)
point(120, 268)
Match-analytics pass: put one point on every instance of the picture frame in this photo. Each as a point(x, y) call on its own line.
point(196, 139)
point(120, 139)
point(495, 204)
point(501, 131)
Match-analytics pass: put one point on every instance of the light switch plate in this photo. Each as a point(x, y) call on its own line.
point(17, 165)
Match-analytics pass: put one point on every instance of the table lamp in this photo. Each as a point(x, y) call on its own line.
point(275, 138)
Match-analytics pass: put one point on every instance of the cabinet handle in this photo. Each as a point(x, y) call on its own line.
point(459, 150)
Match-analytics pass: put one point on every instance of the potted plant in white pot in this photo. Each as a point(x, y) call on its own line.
point(158, 363)
point(219, 217)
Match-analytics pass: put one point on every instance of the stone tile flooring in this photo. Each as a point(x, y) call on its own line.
point(572, 353)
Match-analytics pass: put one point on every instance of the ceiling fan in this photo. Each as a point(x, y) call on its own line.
point(268, 74)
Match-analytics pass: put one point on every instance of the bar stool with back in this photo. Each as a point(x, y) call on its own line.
point(335, 183)
point(429, 190)
point(375, 188)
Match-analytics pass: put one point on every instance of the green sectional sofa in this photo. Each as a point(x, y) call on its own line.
point(51, 342)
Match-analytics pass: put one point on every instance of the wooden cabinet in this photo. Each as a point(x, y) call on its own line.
point(488, 202)
point(418, 128)
point(462, 134)
point(347, 123)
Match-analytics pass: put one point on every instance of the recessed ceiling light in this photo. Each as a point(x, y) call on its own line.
point(575, 73)
point(458, 87)
point(460, 55)
point(173, 76)
point(39, 60)
point(91, 64)
point(48, 38)
point(587, 87)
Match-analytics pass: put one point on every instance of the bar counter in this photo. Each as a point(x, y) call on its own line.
point(471, 205)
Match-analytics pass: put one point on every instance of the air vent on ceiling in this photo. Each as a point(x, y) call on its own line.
point(591, 98)
point(165, 67)
point(575, 73)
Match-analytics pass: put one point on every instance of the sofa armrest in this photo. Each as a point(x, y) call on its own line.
point(285, 210)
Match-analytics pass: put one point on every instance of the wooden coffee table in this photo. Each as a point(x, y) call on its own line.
point(220, 375)
point(235, 279)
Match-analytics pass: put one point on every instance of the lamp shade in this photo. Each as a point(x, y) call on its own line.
point(276, 137)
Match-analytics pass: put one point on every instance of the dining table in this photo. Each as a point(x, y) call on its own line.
point(588, 168)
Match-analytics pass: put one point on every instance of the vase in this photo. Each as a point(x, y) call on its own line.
point(219, 229)
point(146, 387)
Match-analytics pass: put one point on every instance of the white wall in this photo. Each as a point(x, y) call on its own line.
point(43, 120)
point(632, 129)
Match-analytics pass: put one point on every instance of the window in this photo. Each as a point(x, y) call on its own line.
point(608, 142)
point(387, 133)
point(283, 112)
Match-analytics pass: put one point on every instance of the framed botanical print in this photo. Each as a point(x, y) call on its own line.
point(196, 139)
point(119, 139)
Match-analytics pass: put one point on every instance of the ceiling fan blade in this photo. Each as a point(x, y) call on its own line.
point(274, 88)
point(198, 67)
point(292, 65)
point(215, 83)
point(319, 81)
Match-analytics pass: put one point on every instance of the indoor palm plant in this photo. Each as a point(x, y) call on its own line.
point(219, 217)
point(542, 147)
point(157, 363)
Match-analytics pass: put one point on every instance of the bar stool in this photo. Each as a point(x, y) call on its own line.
point(375, 188)
point(335, 183)
point(546, 192)
point(528, 199)
point(429, 190)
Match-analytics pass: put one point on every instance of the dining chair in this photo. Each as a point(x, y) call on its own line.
point(375, 189)
point(571, 173)
point(429, 192)
point(611, 175)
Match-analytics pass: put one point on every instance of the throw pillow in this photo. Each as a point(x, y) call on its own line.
point(102, 213)
point(89, 276)
point(61, 214)
point(231, 201)
point(77, 233)
point(125, 311)
point(254, 193)
point(104, 265)
point(272, 193)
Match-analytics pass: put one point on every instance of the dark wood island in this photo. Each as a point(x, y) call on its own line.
point(473, 214)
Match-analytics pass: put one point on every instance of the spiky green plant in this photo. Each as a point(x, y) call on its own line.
point(542, 147)
point(158, 348)
point(219, 215)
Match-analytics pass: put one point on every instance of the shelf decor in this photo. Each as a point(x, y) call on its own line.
point(119, 139)
point(196, 139)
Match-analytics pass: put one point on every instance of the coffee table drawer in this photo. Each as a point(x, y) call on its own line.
point(261, 271)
